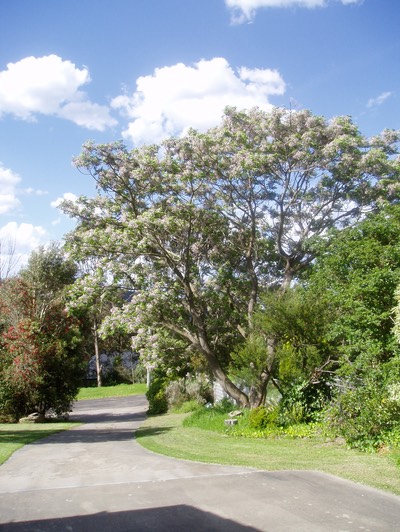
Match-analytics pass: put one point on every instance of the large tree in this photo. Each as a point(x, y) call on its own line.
point(202, 225)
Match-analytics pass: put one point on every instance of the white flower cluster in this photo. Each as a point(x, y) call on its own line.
point(394, 392)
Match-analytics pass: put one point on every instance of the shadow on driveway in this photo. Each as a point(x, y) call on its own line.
point(177, 518)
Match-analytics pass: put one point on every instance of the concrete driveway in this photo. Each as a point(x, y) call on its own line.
point(97, 478)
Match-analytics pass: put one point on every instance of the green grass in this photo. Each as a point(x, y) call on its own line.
point(15, 435)
point(120, 390)
point(166, 435)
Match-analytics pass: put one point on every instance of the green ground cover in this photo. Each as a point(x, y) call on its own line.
point(166, 435)
point(120, 390)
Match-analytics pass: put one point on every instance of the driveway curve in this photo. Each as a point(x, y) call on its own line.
point(96, 477)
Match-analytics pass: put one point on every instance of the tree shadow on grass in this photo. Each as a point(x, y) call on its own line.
point(151, 431)
point(20, 437)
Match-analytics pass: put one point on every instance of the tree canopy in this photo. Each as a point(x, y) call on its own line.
point(201, 226)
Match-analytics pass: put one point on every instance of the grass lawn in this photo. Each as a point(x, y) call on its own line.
point(120, 390)
point(166, 435)
point(15, 435)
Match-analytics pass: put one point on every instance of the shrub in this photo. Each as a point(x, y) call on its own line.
point(303, 402)
point(189, 389)
point(156, 397)
point(40, 366)
point(262, 416)
point(176, 393)
point(293, 414)
point(200, 389)
point(367, 415)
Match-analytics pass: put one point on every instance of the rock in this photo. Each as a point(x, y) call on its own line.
point(52, 415)
point(230, 421)
point(35, 417)
point(235, 413)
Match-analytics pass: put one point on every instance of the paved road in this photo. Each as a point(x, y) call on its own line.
point(97, 478)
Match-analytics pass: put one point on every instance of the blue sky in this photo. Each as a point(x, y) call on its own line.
point(140, 70)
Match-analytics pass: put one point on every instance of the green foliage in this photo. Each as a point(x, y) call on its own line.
point(263, 416)
point(367, 413)
point(224, 406)
point(156, 396)
point(41, 364)
point(176, 393)
point(356, 276)
point(316, 431)
point(304, 401)
point(293, 413)
point(396, 314)
point(48, 272)
point(297, 320)
point(287, 345)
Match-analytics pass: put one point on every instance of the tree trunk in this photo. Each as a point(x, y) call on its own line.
point(97, 354)
point(199, 341)
point(258, 392)
point(219, 375)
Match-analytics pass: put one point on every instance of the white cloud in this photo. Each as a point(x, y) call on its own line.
point(50, 86)
point(379, 100)
point(8, 194)
point(245, 10)
point(26, 236)
point(177, 97)
point(69, 196)
point(17, 242)
point(30, 191)
point(87, 114)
